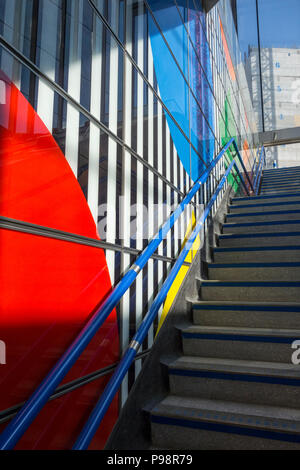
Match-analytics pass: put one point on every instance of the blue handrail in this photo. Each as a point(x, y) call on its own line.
point(254, 165)
point(20, 423)
point(243, 166)
point(259, 170)
point(115, 381)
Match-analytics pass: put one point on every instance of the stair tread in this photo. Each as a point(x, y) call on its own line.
point(241, 331)
point(283, 305)
point(283, 182)
point(199, 409)
point(257, 248)
point(279, 192)
point(224, 236)
point(236, 365)
point(281, 175)
point(283, 168)
point(286, 177)
point(184, 406)
point(254, 264)
point(263, 197)
point(264, 204)
point(268, 222)
point(253, 214)
point(250, 283)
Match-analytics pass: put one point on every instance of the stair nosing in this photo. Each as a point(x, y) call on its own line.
point(215, 282)
point(224, 236)
point(258, 197)
point(242, 331)
point(257, 214)
point(235, 366)
point(266, 264)
point(260, 224)
point(248, 415)
point(236, 249)
point(234, 306)
point(267, 204)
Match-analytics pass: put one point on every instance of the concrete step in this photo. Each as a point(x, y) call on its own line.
point(261, 253)
point(293, 196)
point(259, 240)
point(285, 175)
point(282, 171)
point(266, 226)
point(195, 423)
point(274, 191)
point(265, 206)
point(249, 344)
point(247, 314)
point(263, 383)
point(271, 271)
point(278, 186)
point(250, 291)
point(282, 176)
point(262, 216)
point(280, 179)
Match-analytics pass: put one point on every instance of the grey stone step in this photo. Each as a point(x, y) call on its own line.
point(259, 240)
point(282, 177)
point(263, 383)
point(276, 186)
point(250, 344)
point(264, 206)
point(294, 186)
point(283, 168)
point(261, 226)
point(272, 271)
point(281, 180)
point(249, 291)
point(261, 253)
point(247, 314)
point(293, 196)
point(274, 191)
point(264, 216)
point(194, 423)
point(281, 171)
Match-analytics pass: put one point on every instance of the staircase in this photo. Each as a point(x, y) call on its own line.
point(235, 386)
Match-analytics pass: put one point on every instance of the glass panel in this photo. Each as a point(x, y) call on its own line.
point(171, 26)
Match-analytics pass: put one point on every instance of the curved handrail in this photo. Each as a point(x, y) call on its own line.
point(20, 423)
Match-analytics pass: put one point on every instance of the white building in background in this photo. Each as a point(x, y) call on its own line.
point(281, 92)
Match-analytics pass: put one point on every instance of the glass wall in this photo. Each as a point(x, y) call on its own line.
point(110, 111)
point(273, 67)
